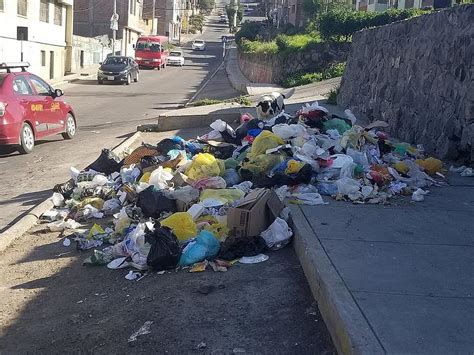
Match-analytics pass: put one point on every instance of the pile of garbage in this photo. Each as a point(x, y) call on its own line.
point(218, 199)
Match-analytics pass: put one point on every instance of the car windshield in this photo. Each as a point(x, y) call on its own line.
point(148, 46)
point(175, 54)
point(199, 42)
point(116, 60)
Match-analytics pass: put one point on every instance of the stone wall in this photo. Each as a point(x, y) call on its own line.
point(265, 68)
point(418, 75)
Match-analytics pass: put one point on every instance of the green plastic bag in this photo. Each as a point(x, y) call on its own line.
point(264, 141)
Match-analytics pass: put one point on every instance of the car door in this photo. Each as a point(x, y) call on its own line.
point(31, 104)
point(52, 110)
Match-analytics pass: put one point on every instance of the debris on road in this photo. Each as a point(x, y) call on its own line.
point(144, 330)
point(219, 198)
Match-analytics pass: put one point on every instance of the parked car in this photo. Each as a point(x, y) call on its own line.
point(223, 19)
point(30, 109)
point(176, 58)
point(118, 69)
point(199, 45)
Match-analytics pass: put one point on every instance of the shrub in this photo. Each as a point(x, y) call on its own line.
point(298, 42)
point(332, 96)
point(248, 46)
point(248, 30)
point(341, 24)
point(303, 78)
point(205, 102)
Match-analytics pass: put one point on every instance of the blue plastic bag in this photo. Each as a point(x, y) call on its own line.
point(205, 246)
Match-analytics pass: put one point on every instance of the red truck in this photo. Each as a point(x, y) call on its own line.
point(151, 51)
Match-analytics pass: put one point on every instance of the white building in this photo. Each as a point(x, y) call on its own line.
point(39, 32)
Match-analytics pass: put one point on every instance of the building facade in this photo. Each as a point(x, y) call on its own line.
point(92, 19)
point(39, 32)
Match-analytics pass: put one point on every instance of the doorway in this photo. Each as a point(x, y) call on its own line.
point(82, 59)
point(51, 64)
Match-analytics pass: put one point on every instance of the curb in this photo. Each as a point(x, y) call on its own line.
point(31, 218)
point(350, 331)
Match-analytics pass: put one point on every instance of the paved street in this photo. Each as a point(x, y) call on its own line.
point(106, 116)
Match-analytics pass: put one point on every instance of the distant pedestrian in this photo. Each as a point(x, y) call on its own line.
point(201, 30)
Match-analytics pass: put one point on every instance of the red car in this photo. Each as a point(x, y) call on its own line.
point(30, 109)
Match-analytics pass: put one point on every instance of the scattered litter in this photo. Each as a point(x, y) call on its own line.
point(419, 195)
point(132, 275)
point(66, 242)
point(201, 346)
point(260, 258)
point(144, 330)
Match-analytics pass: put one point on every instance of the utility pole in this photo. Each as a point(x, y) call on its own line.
point(153, 19)
point(114, 31)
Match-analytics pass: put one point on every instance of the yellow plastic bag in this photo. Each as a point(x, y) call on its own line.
point(221, 196)
point(96, 202)
point(262, 163)
point(182, 225)
point(401, 167)
point(145, 177)
point(265, 140)
point(430, 165)
point(204, 165)
point(294, 166)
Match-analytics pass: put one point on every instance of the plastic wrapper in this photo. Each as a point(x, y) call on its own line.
point(204, 247)
point(182, 225)
point(204, 165)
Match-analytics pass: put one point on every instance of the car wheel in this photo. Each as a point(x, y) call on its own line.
point(100, 82)
point(129, 79)
point(136, 78)
point(70, 127)
point(27, 139)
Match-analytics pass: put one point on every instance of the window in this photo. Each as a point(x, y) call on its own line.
point(21, 86)
point(140, 10)
point(2, 6)
point(293, 9)
point(409, 4)
point(58, 13)
point(131, 6)
point(43, 58)
point(40, 86)
point(44, 10)
point(22, 7)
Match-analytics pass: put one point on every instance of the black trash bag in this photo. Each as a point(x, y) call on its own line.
point(220, 152)
point(302, 177)
point(65, 189)
point(151, 160)
point(165, 250)
point(233, 249)
point(107, 163)
point(152, 202)
point(168, 144)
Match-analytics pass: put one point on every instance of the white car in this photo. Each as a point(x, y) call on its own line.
point(199, 45)
point(176, 58)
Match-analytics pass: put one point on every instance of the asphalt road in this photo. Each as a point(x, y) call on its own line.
point(106, 115)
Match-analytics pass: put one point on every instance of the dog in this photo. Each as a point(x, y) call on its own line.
point(270, 105)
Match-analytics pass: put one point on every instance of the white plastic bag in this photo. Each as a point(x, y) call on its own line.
point(286, 131)
point(111, 206)
point(359, 158)
point(350, 116)
point(419, 195)
point(277, 235)
point(58, 199)
point(347, 186)
point(159, 177)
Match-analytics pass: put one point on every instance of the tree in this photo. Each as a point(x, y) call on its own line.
point(196, 22)
point(206, 4)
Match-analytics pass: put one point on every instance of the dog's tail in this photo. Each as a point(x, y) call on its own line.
point(289, 93)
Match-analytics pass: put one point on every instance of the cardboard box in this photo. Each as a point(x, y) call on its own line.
point(254, 213)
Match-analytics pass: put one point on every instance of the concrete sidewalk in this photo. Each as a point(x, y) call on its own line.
point(88, 71)
point(395, 279)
